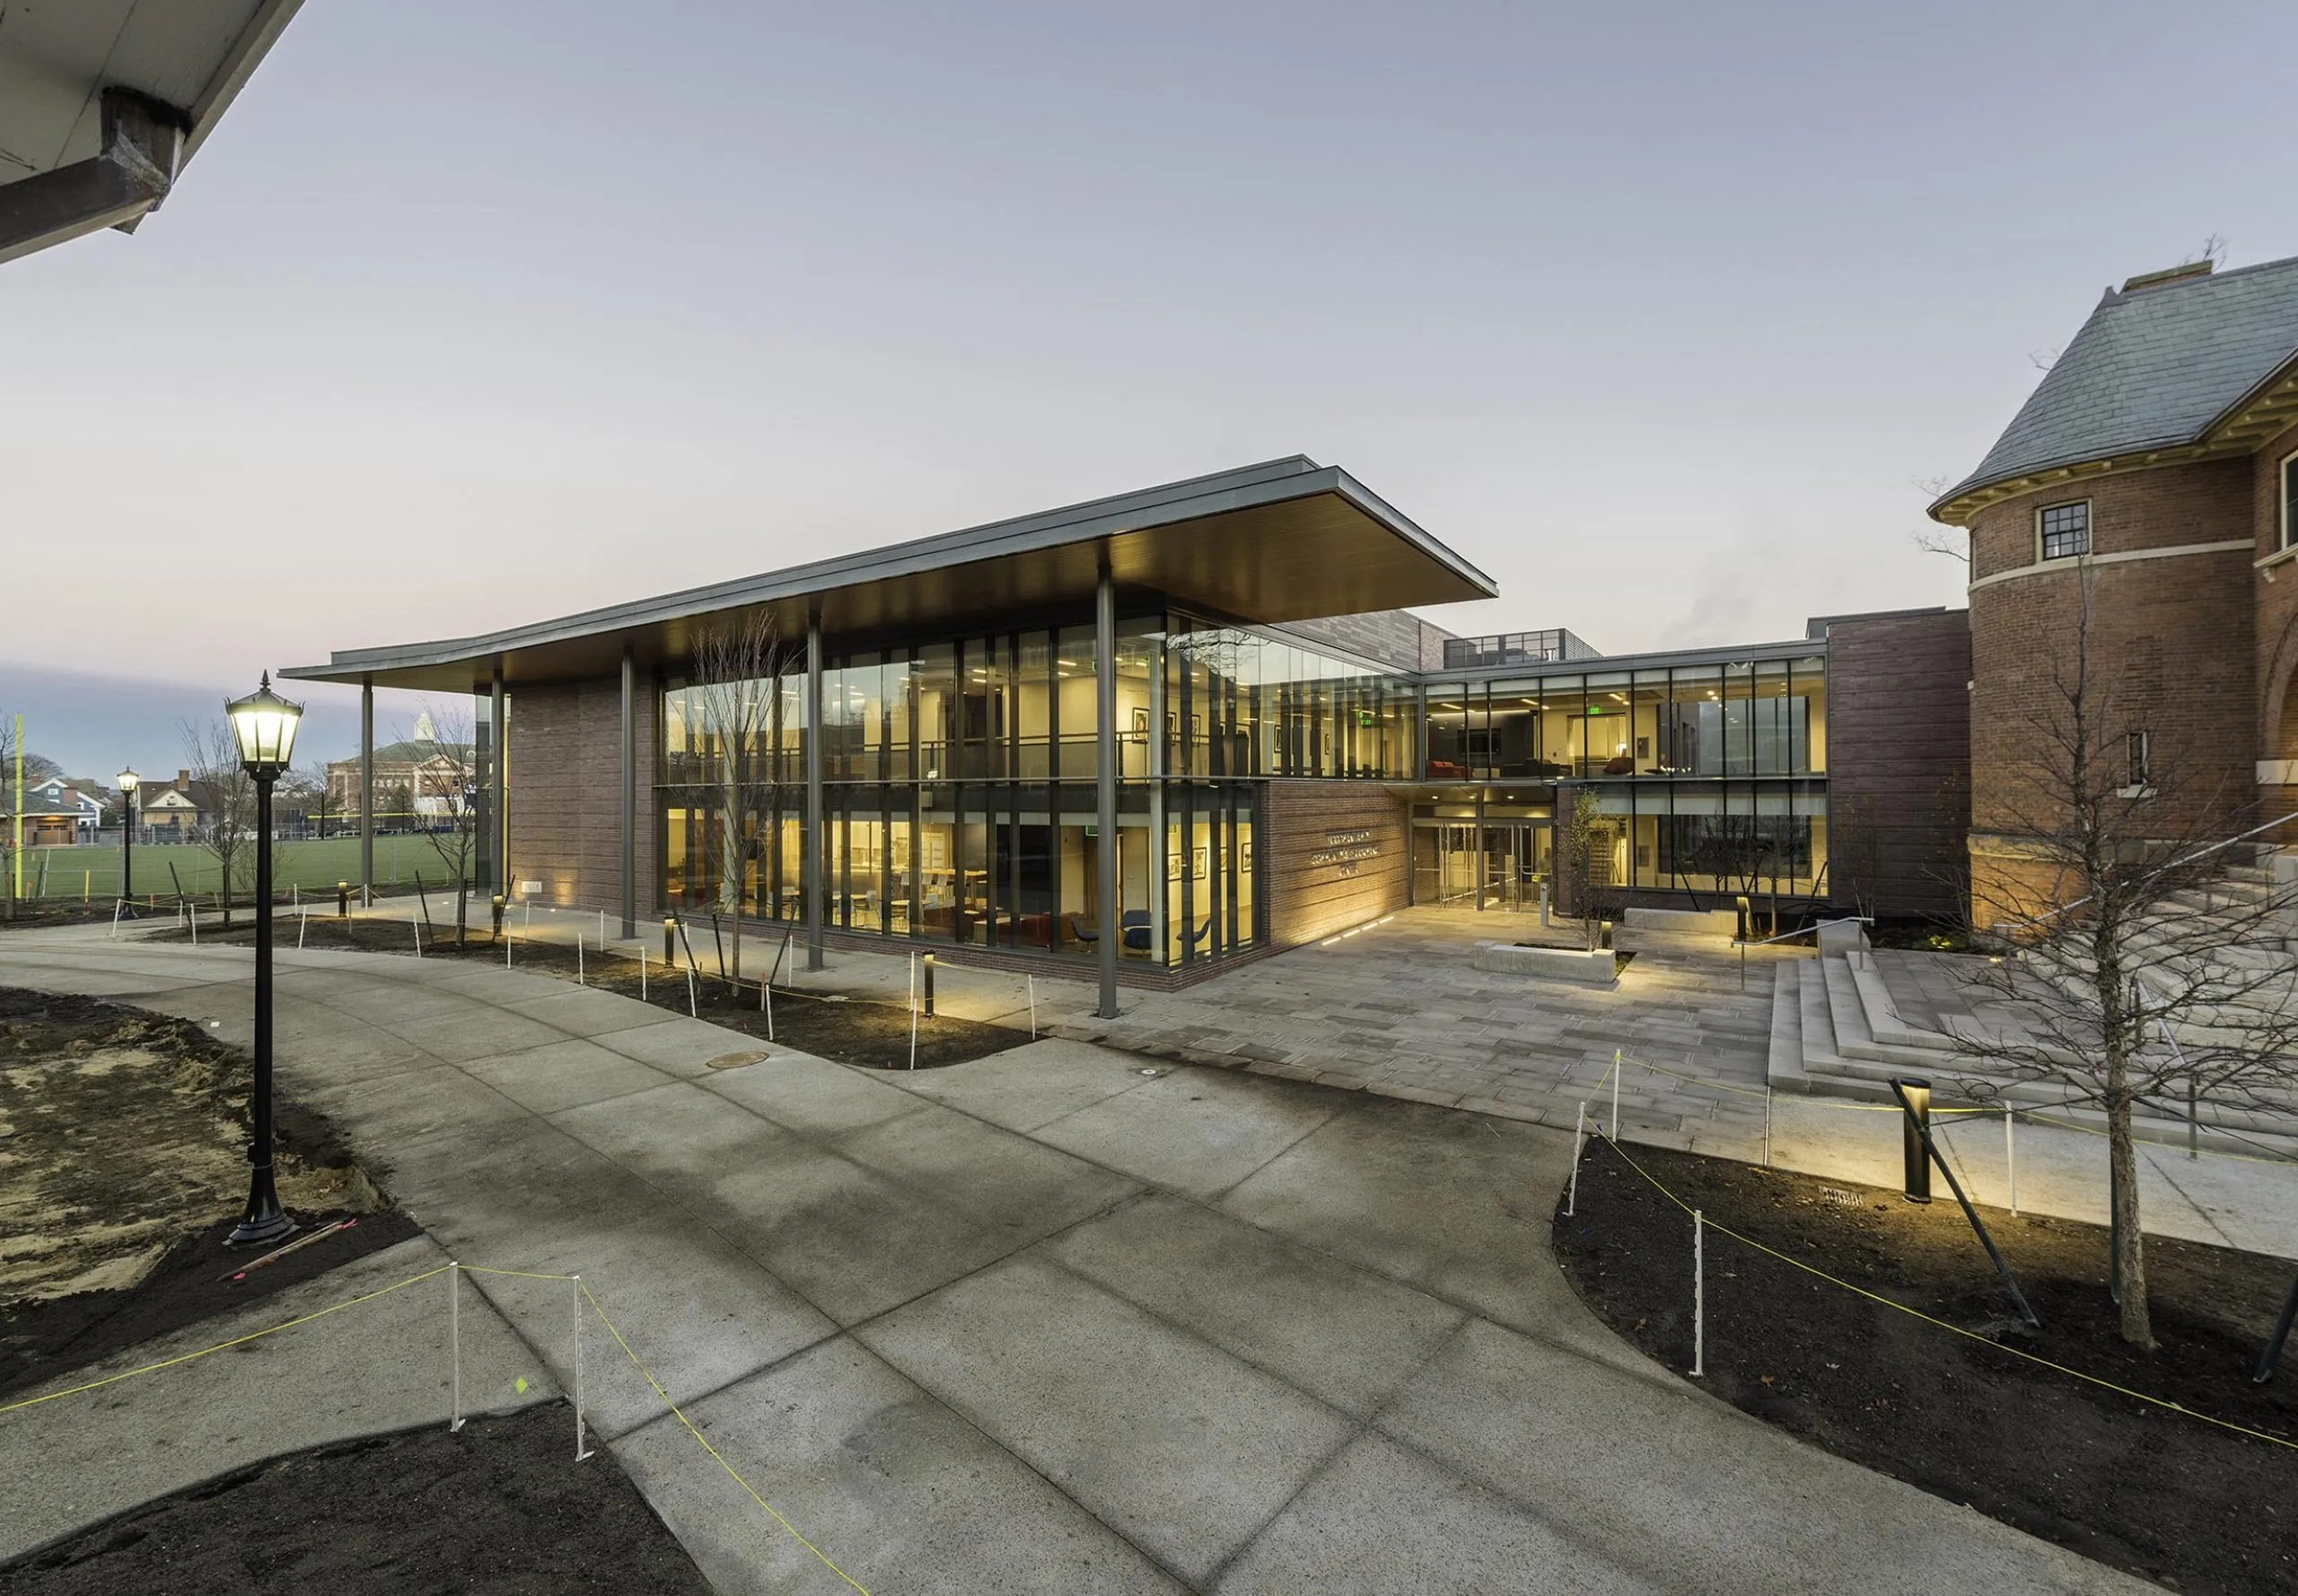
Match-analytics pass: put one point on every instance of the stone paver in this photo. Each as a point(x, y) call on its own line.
point(1224, 1333)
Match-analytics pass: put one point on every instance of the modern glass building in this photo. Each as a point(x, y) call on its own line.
point(1706, 769)
point(1149, 735)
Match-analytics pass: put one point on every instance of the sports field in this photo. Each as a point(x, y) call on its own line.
point(313, 867)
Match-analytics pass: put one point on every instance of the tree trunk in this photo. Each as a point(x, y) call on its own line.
point(2129, 1241)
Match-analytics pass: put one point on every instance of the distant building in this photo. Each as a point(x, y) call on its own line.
point(429, 772)
point(59, 812)
point(176, 811)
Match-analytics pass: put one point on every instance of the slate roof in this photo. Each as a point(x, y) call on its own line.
point(2151, 368)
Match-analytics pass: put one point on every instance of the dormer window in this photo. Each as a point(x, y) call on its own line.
point(2065, 529)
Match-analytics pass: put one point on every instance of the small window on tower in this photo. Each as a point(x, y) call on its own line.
point(2138, 766)
point(2065, 529)
point(2290, 502)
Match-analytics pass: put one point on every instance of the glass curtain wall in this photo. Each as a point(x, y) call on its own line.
point(1696, 770)
point(960, 786)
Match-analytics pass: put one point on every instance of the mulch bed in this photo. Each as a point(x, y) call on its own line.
point(500, 1505)
point(2162, 1495)
point(95, 1146)
point(858, 1031)
point(41, 1340)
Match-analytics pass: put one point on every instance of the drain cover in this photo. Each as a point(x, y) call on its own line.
point(734, 1061)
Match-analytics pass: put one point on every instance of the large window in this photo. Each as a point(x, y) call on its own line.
point(2065, 529)
point(959, 800)
point(2290, 501)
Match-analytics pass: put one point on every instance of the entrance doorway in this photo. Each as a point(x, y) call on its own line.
point(1499, 864)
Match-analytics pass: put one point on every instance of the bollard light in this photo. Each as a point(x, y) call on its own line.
point(496, 904)
point(343, 900)
point(264, 724)
point(670, 939)
point(1915, 1119)
point(1747, 911)
point(929, 983)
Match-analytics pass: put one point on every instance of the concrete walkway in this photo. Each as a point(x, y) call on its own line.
point(1393, 1008)
point(1044, 1321)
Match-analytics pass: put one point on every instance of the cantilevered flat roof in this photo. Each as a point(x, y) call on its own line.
point(1287, 539)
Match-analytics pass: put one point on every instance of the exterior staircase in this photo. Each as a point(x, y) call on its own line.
point(1836, 1031)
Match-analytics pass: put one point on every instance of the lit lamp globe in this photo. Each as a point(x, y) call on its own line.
point(264, 723)
point(129, 781)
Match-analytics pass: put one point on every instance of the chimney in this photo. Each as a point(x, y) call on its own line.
point(2164, 279)
point(183, 781)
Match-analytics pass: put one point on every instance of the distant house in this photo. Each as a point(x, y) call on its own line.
point(59, 812)
point(175, 812)
point(429, 772)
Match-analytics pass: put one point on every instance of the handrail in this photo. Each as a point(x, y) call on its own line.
point(2161, 870)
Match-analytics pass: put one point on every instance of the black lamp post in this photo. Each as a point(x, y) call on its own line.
point(128, 782)
point(264, 723)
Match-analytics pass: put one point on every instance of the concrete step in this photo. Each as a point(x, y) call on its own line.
point(1786, 1057)
point(1855, 1034)
point(1804, 1058)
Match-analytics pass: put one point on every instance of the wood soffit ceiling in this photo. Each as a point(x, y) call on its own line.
point(1318, 553)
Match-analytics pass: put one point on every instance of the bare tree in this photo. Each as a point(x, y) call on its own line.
point(1932, 540)
point(1583, 836)
point(307, 787)
point(37, 767)
point(736, 666)
point(225, 794)
point(446, 800)
point(2126, 982)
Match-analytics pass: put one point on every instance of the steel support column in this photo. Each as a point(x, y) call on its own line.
point(1105, 768)
point(629, 795)
point(366, 784)
point(499, 795)
point(810, 849)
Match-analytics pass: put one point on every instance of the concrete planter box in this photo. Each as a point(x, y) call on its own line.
point(1650, 930)
point(1842, 936)
point(1552, 964)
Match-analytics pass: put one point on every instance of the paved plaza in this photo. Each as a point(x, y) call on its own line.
point(1395, 1009)
point(1055, 1318)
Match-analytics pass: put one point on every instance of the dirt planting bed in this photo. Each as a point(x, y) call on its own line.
point(2158, 1492)
point(864, 1031)
point(500, 1505)
point(123, 1165)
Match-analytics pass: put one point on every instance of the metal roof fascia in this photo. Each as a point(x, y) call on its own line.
point(1248, 487)
point(1608, 664)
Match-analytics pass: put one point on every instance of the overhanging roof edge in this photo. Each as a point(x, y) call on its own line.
point(1270, 482)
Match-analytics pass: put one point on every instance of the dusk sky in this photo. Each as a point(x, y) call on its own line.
point(473, 314)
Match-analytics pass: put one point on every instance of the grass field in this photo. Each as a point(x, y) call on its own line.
point(313, 866)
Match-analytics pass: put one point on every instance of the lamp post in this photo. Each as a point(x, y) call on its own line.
point(264, 724)
point(128, 782)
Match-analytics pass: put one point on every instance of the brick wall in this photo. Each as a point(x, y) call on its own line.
point(2208, 502)
point(2276, 626)
point(1312, 894)
point(2171, 648)
point(565, 797)
point(1899, 747)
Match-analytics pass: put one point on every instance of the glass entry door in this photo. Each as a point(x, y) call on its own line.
point(1443, 862)
point(1516, 856)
